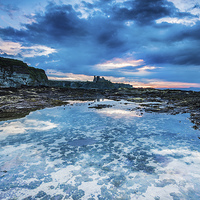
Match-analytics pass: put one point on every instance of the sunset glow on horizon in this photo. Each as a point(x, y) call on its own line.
point(150, 84)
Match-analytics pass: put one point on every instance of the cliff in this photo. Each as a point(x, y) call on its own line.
point(15, 73)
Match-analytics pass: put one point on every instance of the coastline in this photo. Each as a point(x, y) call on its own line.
point(19, 102)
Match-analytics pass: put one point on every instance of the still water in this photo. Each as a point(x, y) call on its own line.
point(76, 152)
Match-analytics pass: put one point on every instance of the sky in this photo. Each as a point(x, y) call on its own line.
point(146, 43)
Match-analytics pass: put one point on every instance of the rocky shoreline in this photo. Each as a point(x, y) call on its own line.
point(19, 102)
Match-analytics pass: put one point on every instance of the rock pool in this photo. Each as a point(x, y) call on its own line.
point(76, 152)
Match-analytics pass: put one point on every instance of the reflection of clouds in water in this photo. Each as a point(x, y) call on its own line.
point(19, 127)
point(183, 169)
point(185, 162)
point(14, 156)
point(99, 153)
point(179, 152)
point(118, 113)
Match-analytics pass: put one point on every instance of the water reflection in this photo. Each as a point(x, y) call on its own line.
point(24, 126)
point(118, 113)
point(84, 153)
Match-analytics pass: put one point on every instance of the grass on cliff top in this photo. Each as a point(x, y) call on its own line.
point(7, 62)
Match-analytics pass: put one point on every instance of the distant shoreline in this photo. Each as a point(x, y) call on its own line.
point(184, 89)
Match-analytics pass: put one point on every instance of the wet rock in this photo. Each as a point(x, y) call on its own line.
point(34, 184)
point(57, 197)
point(176, 196)
point(29, 198)
point(165, 182)
point(82, 142)
point(78, 194)
point(195, 118)
point(105, 194)
point(51, 187)
point(100, 106)
point(68, 189)
point(40, 194)
point(118, 181)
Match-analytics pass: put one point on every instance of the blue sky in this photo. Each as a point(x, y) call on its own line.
point(153, 43)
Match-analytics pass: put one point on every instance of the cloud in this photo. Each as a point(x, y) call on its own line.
point(37, 50)
point(57, 22)
point(186, 6)
point(153, 83)
point(61, 27)
point(141, 71)
point(147, 12)
point(9, 8)
point(176, 20)
point(189, 13)
point(116, 63)
point(154, 39)
point(10, 48)
point(15, 48)
point(127, 67)
point(57, 75)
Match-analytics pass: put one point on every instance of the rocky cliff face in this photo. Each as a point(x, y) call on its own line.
point(15, 73)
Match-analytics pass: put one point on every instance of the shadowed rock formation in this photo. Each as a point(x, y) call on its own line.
point(15, 73)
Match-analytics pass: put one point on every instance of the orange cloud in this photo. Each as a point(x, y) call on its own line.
point(116, 63)
point(164, 84)
point(60, 76)
point(120, 63)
